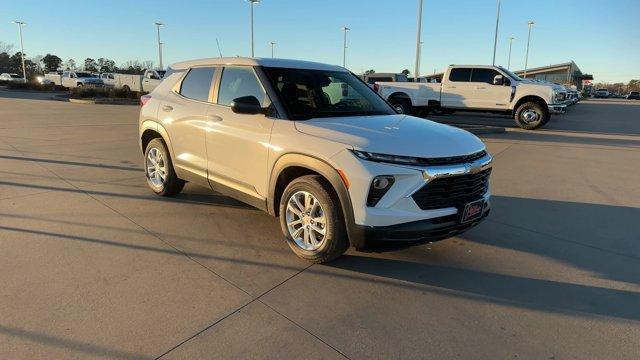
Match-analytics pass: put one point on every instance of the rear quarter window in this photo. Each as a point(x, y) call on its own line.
point(197, 84)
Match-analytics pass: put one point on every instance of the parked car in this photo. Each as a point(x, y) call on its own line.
point(602, 93)
point(146, 82)
point(634, 95)
point(479, 88)
point(12, 78)
point(339, 167)
point(73, 79)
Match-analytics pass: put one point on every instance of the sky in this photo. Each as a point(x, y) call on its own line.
point(600, 36)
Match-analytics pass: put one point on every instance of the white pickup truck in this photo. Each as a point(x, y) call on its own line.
point(127, 82)
point(478, 88)
point(72, 79)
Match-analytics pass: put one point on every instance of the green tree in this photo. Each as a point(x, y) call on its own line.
point(90, 65)
point(106, 65)
point(406, 72)
point(51, 62)
point(369, 72)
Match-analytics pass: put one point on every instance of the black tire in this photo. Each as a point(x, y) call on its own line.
point(334, 242)
point(402, 106)
point(126, 88)
point(171, 185)
point(531, 115)
point(79, 85)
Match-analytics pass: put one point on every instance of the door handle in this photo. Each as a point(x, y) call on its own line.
point(167, 108)
point(213, 118)
point(481, 87)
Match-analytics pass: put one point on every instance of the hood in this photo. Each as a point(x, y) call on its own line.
point(394, 135)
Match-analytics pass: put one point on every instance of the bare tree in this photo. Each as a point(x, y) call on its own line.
point(5, 47)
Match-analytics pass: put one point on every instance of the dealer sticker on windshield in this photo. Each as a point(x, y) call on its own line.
point(472, 211)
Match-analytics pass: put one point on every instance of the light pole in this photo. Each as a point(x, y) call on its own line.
point(526, 57)
point(158, 24)
point(510, 44)
point(272, 45)
point(344, 46)
point(416, 72)
point(251, 2)
point(495, 37)
point(20, 24)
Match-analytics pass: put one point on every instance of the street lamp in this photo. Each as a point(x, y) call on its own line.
point(20, 25)
point(344, 46)
point(272, 45)
point(526, 57)
point(158, 24)
point(510, 44)
point(416, 72)
point(251, 2)
point(495, 37)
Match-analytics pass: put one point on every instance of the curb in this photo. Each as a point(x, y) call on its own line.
point(106, 101)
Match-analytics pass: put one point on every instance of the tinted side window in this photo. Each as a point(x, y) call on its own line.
point(483, 75)
point(197, 83)
point(460, 74)
point(237, 82)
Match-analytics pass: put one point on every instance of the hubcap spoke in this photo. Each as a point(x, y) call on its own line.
point(306, 220)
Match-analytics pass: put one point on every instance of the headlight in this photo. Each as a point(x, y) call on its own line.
point(393, 159)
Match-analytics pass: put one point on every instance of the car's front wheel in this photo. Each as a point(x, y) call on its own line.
point(161, 177)
point(311, 220)
point(531, 115)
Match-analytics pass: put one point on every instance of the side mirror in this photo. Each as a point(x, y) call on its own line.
point(247, 105)
point(498, 80)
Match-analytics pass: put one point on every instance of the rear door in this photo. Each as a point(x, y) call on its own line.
point(183, 112)
point(484, 95)
point(238, 144)
point(457, 88)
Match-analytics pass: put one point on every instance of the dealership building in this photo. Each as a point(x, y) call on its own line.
point(566, 73)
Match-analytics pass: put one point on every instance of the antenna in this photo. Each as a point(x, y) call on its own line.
point(219, 51)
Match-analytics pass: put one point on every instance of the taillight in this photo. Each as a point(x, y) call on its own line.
point(144, 99)
point(376, 87)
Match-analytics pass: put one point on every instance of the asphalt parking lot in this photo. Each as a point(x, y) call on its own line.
point(93, 265)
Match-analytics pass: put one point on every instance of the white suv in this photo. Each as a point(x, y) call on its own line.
point(312, 144)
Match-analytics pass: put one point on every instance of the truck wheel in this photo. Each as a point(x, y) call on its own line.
point(79, 85)
point(402, 106)
point(126, 88)
point(311, 220)
point(158, 168)
point(531, 115)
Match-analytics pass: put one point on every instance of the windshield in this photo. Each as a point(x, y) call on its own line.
point(511, 74)
point(161, 73)
point(310, 94)
point(84, 75)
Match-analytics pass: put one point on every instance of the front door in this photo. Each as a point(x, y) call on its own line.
point(484, 94)
point(238, 144)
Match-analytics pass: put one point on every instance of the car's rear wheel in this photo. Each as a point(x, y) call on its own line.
point(311, 220)
point(158, 167)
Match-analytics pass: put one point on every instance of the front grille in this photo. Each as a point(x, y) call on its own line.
point(452, 160)
point(453, 191)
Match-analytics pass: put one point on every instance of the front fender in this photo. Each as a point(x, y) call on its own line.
point(324, 169)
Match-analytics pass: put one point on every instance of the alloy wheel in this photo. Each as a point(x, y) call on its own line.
point(306, 220)
point(156, 167)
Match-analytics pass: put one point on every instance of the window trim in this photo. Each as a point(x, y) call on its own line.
point(219, 81)
point(178, 86)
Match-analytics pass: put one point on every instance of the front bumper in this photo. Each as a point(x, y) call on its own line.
point(557, 108)
point(429, 230)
